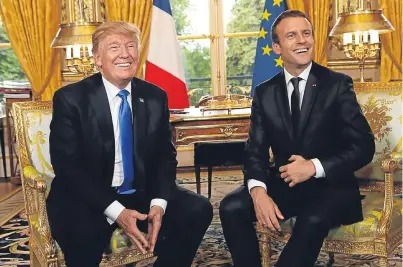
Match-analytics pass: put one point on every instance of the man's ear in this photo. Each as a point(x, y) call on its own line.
point(97, 59)
point(276, 48)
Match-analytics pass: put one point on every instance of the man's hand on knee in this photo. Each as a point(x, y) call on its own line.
point(154, 225)
point(267, 212)
point(128, 221)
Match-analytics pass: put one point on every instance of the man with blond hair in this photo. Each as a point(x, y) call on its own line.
point(115, 164)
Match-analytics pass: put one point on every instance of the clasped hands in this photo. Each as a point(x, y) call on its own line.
point(128, 221)
point(266, 210)
point(298, 171)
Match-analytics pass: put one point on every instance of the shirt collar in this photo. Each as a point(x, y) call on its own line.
point(303, 75)
point(112, 91)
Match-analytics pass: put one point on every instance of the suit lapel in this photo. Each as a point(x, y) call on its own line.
point(311, 89)
point(140, 124)
point(282, 103)
point(100, 104)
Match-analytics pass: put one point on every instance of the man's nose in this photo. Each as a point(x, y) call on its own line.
point(124, 52)
point(301, 38)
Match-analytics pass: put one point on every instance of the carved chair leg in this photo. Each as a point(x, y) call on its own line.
point(265, 250)
point(331, 259)
point(383, 262)
point(32, 259)
point(34, 262)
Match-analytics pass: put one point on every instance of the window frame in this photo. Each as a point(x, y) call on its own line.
point(217, 38)
point(4, 45)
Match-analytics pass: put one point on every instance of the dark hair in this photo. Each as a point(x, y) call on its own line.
point(286, 14)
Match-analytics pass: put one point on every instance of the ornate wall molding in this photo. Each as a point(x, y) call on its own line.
point(379, 87)
point(350, 63)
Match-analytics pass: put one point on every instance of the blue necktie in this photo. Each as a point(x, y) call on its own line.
point(126, 144)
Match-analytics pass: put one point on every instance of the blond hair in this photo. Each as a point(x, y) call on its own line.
point(115, 27)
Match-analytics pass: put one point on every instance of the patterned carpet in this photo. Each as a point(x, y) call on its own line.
point(212, 252)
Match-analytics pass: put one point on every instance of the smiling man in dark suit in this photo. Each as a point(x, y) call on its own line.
point(310, 117)
point(115, 164)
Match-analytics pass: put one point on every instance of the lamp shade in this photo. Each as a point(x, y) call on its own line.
point(79, 19)
point(74, 34)
point(361, 20)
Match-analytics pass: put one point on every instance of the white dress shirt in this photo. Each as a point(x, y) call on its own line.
point(320, 172)
point(113, 211)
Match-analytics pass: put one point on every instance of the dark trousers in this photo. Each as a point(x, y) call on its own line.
point(184, 224)
point(316, 205)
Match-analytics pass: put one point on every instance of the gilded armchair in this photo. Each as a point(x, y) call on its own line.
point(32, 120)
point(381, 230)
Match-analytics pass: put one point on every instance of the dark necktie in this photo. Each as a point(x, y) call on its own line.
point(126, 144)
point(295, 109)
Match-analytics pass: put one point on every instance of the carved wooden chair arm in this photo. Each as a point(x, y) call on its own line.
point(35, 203)
point(388, 166)
point(33, 179)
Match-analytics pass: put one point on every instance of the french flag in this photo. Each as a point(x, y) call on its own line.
point(164, 66)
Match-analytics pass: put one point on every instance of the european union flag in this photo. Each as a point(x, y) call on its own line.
point(267, 63)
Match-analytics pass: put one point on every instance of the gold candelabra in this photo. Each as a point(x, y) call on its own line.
point(81, 61)
point(361, 49)
point(365, 26)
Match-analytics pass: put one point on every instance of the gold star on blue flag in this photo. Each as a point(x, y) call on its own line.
point(267, 63)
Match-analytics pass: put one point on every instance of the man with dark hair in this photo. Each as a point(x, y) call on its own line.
point(284, 15)
point(310, 117)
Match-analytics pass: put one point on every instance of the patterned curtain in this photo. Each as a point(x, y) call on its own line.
point(31, 26)
point(137, 12)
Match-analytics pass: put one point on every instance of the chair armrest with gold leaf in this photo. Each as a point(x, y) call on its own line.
point(388, 166)
point(35, 202)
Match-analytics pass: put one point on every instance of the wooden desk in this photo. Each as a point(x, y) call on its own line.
point(212, 127)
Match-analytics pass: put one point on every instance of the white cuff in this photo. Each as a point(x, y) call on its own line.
point(253, 183)
point(113, 211)
point(320, 172)
point(159, 202)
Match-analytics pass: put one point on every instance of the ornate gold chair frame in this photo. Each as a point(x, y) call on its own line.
point(43, 249)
